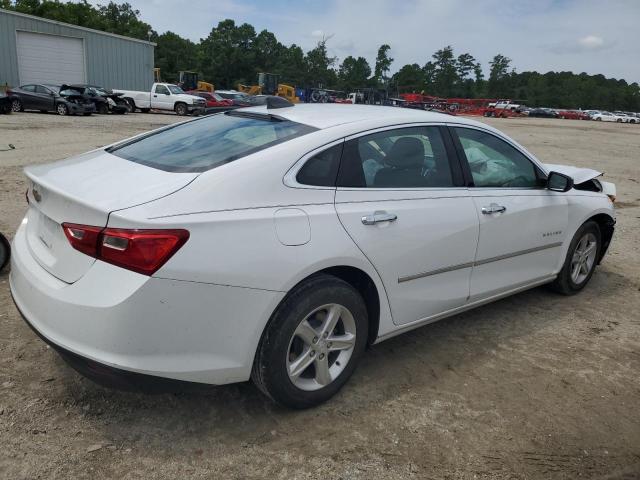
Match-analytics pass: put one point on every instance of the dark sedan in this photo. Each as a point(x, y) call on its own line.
point(50, 98)
point(5, 103)
point(543, 113)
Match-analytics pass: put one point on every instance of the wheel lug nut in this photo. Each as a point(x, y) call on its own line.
point(325, 335)
point(321, 356)
point(315, 339)
point(312, 353)
point(328, 344)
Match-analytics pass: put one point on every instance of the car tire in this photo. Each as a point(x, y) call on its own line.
point(62, 109)
point(287, 341)
point(103, 109)
point(5, 252)
point(16, 105)
point(145, 110)
point(180, 109)
point(568, 282)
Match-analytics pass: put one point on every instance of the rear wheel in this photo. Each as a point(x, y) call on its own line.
point(581, 260)
point(62, 109)
point(5, 251)
point(312, 343)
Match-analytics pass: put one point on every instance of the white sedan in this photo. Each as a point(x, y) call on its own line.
point(608, 117)
point(276, 243)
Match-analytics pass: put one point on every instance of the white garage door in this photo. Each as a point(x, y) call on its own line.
point(50, 59)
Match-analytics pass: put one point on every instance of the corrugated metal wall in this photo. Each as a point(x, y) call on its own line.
point(112, 62)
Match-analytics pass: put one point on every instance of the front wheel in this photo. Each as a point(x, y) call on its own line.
point(62, 109)
point(103, 108)
point(581, 260)
point(312, 343)
point(16, 105)
point(181, 109)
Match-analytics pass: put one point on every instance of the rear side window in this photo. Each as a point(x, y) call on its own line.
point(413, 157)
point(321, 169)
point(209, 142)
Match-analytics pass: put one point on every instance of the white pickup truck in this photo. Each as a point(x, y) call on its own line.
point(164, 96)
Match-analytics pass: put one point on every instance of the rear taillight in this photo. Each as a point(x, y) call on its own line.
point(143, 251)
point(83, 238)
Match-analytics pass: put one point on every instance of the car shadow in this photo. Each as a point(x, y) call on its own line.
point(426, 360)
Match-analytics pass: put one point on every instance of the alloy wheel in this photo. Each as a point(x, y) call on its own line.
point(584, 258)
point(321, 347)
point(61, 109)
point(15, 105)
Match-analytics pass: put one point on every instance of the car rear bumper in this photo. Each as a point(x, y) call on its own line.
point(121, 320)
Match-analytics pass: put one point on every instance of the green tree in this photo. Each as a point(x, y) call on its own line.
point(319, 71)
point(383, 64)
point(445, 73)
point(353, 73)
point(410, 78)
point(499, 76)
point(173, 54)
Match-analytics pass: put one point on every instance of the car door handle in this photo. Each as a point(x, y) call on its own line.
point(493, 208)
point(379, 217)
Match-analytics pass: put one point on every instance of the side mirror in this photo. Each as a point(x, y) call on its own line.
point(168, 94)
point(559, 182)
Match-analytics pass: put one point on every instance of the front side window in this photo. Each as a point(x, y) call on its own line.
point(495, 163)
point(41, 89)
point(209, 142)
point(28, 88)
point(161, 89)
point(175, 89)
point(412, 157)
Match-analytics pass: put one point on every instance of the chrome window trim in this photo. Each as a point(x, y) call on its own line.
point(290, 179)
point(528, 155)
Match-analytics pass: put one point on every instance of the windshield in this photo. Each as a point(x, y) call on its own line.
point(175, 90)
point(209, 142)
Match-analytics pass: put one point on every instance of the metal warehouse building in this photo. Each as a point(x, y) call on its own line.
point(37, 50)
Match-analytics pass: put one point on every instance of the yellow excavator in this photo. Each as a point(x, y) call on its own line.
point(268, 85)
point(189, 81)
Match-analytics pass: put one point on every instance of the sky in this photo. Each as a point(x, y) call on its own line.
point(593, 36)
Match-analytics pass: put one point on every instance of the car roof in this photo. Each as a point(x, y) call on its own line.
point(329, 115)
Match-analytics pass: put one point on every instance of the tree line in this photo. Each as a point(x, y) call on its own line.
point(233, 54)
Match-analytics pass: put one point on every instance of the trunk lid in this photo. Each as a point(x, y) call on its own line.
point(85, 190)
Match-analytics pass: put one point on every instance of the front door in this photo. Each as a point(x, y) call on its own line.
point(522, 223)
point(402, 202)
point(161, 98)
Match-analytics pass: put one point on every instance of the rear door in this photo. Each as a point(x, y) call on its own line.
point(522, 223)
point(28, 97)
point(401, 199)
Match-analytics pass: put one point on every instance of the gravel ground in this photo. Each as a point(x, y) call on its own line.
point(534, 386)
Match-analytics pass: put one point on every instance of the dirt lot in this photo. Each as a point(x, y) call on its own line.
point(534, 386)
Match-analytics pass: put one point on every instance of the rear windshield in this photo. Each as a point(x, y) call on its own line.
point(209, 142)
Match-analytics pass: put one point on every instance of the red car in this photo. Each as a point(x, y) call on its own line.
point(212, 99)
point(573, 115)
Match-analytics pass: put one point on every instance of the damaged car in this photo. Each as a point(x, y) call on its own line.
point(105, 100)
point(50, 98)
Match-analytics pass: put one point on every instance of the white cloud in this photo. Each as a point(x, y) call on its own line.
point(591, 42)
point(317, 34)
